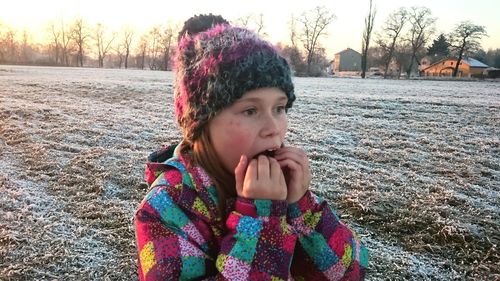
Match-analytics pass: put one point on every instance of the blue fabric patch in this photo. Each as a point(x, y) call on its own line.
point(263, 207)
point(192, 267)
point(213, 194)
point(363, 256)
point(244, 249)
point(317, 248)
point(169, 212)
point(248, 226)
point(293, 210)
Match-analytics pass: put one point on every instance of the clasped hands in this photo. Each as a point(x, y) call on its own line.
point(286, 176)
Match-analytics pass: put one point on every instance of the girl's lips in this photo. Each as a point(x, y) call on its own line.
point(267, 153)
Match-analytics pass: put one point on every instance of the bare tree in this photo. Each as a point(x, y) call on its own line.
point(314, 23)
point(154, 49)
point(9, 40)
point(56, 41)
point(464, 40)
point(2, 44)
point(103, 43)
point(370, 18)
point(119, 51)
point(142, 49)
point(422, 27)
point(244, 21)
point(402, 56)
point(166, 42)
point(391, 31)
point(128, 35)
point(259, 22)
point(25, 47)
point(65, 40)
point(292, 24)
point(79, 35)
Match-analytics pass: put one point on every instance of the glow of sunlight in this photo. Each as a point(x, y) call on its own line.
point(345, 31)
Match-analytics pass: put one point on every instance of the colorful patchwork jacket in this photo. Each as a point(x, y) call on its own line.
point(180, 234)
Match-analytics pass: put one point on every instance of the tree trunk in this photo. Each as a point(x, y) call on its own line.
point(126, 60)
point(363, 65)
point(455, 70)
point(460, 54)
point(366, 40)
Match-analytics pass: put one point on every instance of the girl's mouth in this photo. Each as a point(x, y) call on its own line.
point(267, 153)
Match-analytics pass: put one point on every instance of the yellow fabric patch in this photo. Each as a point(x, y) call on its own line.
point(312, 219)
point(221, 260)
point(284, 225)
point(147, 257)
point(347, 257)
point(179, 186)
point(200, 207)
point(216, 230)
point(274, 278)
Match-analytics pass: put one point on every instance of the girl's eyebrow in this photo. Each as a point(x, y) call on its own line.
point(282, 98)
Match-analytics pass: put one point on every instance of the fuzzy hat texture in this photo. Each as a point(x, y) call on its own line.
point(216, 67)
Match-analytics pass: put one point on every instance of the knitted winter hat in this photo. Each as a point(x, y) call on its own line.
point(216, 67)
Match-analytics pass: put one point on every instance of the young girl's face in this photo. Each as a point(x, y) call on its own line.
point(255, 123)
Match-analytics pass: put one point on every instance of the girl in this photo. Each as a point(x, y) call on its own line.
point(233, 203)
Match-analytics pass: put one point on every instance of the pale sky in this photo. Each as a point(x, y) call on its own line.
point(345, 31)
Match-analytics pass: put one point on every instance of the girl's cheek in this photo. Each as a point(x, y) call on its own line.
point(236, 133)
point(238, 139)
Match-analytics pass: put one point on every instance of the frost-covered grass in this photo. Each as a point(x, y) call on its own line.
point(413, 166)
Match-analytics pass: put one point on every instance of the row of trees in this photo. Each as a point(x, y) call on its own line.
point(402, 41)
point(79, 43)
point(399, 44)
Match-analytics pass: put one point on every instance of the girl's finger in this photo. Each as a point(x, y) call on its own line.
point(251, 174)
point(275, 169)
point(239, 173)
point(291, 165)
point(297, 155)
point(263, 167)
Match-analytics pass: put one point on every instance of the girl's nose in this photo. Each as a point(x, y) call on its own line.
point(270, 126)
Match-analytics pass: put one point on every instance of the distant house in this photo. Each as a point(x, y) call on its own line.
point(445, 67)
point(347, 60)
point(424, 63)
point(492, 72)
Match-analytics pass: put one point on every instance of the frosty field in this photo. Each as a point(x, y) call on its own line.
point(412, 166)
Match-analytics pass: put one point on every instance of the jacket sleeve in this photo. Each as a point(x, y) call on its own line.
point(170, 244)
point(259, 244)
point(326, 248)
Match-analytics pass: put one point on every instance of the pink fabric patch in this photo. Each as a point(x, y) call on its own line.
point(336, 271)
point(300, 226)
point(289, 243)
point(189, 250)
point(232, 221)
point(245, 208)
point(339, 239)
point(166, 248)
point(193, 233)
point(235, 269)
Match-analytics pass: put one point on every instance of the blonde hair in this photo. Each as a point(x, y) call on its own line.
point(205, 156)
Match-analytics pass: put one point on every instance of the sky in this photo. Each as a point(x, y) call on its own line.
point(345, 31)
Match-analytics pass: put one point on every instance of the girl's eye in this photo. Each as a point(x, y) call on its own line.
point(280, 109)
point(249, 111)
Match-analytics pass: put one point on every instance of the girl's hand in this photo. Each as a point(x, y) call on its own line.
point(295, 165)
point(262, 178)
